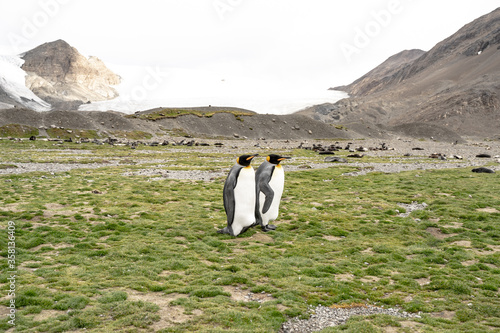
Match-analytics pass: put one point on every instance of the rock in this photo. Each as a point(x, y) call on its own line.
point(335, 159)
point(483, 170)
point(356, 155)
point(58, 73)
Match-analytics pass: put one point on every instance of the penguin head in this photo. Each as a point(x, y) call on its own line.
point(245, 160)
point(276, 159)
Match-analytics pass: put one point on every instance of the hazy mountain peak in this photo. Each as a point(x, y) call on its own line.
point(59, 74)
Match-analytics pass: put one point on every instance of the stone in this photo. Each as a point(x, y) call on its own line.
point(482, 170)
point(335, 159)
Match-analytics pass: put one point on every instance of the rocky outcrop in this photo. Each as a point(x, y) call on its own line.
point(59, 74)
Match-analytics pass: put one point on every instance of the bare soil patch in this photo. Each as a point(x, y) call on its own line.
point(169, 315)
point(332, 238)
point(436, 232)
point(463, 243)
point(47, 314)
point(488, 210)
point(423, 281)
point(444, 314)
point(244, 295)
point(344, 277)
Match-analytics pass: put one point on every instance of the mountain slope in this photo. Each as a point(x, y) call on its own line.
point(59, 74)
point(374, 79)
point(455, 85)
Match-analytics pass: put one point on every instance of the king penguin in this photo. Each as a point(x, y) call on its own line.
point(239, 197)
point(269, 184)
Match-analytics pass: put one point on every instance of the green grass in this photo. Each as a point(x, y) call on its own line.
point(18, 131)
point(174, 113)
point(140, 252)
point(132, 135)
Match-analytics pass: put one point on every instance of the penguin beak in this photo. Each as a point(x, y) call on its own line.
point(283, 158)
point(249, 158)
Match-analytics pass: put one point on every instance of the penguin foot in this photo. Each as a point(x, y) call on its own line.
point(269, 227)
point(223, 231)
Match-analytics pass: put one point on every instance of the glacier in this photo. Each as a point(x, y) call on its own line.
point(12, 81)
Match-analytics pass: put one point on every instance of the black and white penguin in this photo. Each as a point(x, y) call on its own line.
point(239, 197)
point(269, 184)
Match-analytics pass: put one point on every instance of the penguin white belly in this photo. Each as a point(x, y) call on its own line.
point(244, 200)
point(277, 183)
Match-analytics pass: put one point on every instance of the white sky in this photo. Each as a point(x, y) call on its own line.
point(321, 43)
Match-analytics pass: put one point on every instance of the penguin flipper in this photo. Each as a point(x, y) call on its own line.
point(263, 177)
point(228, 195)
point(269, 193)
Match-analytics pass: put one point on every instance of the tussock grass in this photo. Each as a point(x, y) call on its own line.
point(138, 254)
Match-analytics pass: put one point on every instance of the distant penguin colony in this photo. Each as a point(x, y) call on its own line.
point(239, 197)
point(253, 198)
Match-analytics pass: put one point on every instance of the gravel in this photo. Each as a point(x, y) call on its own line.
point(411, 207)
point(51, 167)
point(159, 174)
point(323, 317)
point(401, 154)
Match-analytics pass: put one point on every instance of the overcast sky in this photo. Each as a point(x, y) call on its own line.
point(317, 42)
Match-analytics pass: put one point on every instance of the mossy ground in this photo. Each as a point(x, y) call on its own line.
point(100, 251)
point(175, 112)
point(18, 131)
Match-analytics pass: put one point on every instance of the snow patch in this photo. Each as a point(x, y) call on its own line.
point(12, 81)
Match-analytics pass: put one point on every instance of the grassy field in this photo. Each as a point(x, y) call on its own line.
point(98, 251)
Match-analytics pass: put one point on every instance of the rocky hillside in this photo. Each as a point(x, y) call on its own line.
point(213, 122)
point(376, 79)
point(454, 86)
point(60, 75)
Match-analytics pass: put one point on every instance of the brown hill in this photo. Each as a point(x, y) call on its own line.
point(455, 86)
point(217, 122)
point(59, 74)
